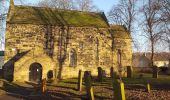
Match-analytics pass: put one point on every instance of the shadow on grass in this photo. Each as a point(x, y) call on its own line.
point(65, 95)
point(65, 87)
point(16, 90)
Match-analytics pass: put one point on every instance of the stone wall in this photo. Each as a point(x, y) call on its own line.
point(93, 48)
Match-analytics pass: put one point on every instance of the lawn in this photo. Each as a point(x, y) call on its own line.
point(134, 88)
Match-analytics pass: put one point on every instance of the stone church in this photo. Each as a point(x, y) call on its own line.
point(55, 43)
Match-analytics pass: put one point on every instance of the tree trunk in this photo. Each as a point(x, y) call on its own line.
point(152, 53)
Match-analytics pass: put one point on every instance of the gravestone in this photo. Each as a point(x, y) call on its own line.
point(119, 91)
point(129, 72)
point(100, 74)
point(111, 72)
point(88, 85)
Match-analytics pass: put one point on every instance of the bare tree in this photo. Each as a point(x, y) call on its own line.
point(123, 13)
point(86, 5)
point(82, 5)
point(165, 18)
point(61, 4)
point(3, 15)
point(152, 25)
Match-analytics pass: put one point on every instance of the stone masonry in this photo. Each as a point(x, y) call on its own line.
point(84, 47)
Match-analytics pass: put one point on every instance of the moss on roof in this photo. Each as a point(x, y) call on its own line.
point(120, 31)
point(40, 15)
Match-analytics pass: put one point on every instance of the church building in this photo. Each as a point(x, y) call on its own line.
point(51, 43)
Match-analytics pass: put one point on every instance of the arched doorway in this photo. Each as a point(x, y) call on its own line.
point(35, 72)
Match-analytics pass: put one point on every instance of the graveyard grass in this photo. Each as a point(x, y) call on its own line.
point(102, 90)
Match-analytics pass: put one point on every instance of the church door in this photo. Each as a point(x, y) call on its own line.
point(35, 72)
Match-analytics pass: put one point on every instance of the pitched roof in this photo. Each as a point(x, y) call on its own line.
point(42, 15)
point(163, 56)
point(120, 31)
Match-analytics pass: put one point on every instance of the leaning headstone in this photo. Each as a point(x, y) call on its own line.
point(43, 85)
point(100, 74)
point(88, 85)
point(115, 76)
point(80, 80)
point(111, 72)
point(129, 72)
point(119, 92)
point(155, 72)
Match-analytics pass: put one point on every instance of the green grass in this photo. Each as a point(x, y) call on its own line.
point(147, 78)
point(102, 90)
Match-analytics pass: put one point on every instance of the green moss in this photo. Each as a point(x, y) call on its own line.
point(120, 31)
point(39, 15)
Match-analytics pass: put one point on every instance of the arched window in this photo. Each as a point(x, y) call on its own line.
point(73, 58)
point(119, 56)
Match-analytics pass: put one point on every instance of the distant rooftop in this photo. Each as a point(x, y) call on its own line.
point(164, 56)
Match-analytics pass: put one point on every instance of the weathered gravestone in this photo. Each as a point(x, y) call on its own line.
point(129, 72)
point(155, 72)
point(88, 85)
point(111, 72)
point(80, 80)
point(100, 74)
point(119, 92)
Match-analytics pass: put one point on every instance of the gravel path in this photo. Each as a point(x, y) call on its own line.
point(106, 93)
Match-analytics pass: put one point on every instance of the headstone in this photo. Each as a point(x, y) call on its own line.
point(88, 85)
point(155, 72)
point(100, 74)
point(80, 80)
point(129, 72)
point(119, 92)
point(111, 72)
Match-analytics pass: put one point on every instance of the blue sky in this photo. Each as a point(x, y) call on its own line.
point(104, 5)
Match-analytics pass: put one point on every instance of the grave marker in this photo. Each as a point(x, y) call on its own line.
point(119, 92)
point(88, 84)
point(129, 72)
